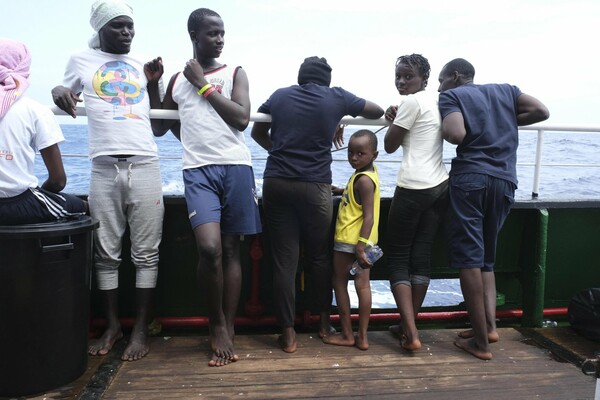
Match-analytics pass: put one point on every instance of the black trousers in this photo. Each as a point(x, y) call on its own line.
point(298, 216)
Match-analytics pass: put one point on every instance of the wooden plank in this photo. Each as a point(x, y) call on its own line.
point(177, 368)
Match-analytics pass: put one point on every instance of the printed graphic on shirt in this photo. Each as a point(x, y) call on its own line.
point(6, 155)
point(217, 83)
point(345, 199)
point(118, 83)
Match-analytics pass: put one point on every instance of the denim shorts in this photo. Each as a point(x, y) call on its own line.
point(479, 205)
point(344, 247)
point(225, 194)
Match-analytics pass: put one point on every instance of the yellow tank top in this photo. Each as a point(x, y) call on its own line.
point(350, 213)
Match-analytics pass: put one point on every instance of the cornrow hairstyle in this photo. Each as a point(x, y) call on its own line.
point(196, 17)
point(372, 137)
point(461, 66)
point(417, 61)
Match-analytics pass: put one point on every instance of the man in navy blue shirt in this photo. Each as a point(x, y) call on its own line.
point(483, 121)
point(297, 185)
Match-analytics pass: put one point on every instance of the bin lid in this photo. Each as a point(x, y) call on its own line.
point(73, 226)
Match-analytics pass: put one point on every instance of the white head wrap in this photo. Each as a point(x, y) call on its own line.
point(102, 12)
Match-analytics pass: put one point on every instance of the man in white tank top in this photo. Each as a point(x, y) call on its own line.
point(214, 110)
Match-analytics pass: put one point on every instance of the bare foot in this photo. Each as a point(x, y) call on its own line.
point(218, 361)
point(289, 345)
point(222, 347)
point(410, 345)
point(362, 342)
point(469, 346)
point(138, 346)
point(326, 331)
point(105, 343)
point(493, 337)
point(339, 339)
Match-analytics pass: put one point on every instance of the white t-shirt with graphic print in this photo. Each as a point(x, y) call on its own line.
point(116, 102)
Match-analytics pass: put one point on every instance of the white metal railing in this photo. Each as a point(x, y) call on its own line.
point(382, 122)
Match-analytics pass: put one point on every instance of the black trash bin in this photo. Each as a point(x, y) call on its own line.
point(44, 304)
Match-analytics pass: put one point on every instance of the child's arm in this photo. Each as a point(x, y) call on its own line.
point(364, 193)
point(336, 191)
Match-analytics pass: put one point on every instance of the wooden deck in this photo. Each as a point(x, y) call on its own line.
point(176, 368)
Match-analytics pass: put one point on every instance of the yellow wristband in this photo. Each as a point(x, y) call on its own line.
point(365, 241)
point(204, 88)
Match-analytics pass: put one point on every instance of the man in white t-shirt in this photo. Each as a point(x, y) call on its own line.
point(125, 187)
point(28, 126)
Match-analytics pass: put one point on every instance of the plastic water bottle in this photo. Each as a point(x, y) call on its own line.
point(373, 252)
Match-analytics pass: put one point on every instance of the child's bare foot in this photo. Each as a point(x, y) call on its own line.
point(339, 339)
point(105, 343)
point(469, 346)
point(138, 346)
point(493, 336)
point(362, 342)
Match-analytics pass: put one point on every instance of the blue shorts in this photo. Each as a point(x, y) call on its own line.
point(479, 205)
point(225, 194)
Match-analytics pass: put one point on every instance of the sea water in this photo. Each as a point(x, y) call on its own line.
point(570, 170)
point(560, 180)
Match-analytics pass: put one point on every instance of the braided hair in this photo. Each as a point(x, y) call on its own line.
point(417, 61)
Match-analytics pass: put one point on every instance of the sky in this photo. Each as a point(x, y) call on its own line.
point(546, 47)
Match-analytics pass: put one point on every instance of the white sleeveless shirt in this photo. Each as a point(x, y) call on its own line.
point(205, 137)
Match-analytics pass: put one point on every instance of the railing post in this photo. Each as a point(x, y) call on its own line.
point(533, 298)
point(538, 164)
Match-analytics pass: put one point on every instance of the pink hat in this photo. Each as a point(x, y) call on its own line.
point(15, 61)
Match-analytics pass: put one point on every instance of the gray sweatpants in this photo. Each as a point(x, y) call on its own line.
point(126, 191)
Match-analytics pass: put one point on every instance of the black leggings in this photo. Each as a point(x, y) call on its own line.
point(413, 221)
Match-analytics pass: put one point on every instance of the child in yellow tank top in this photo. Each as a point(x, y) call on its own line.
point(357, 224)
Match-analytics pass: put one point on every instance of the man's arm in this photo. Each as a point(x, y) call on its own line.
point(530, 110)
point(260, 134)
point(57, 179)
point(453, 128)
point(161, 126)
point(154, 70)
point(66, 100)
point(235, 112)
point(371, 110)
